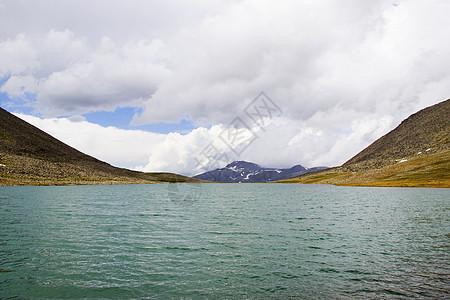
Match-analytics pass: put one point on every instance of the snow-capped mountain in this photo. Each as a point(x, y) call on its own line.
point(242, 171)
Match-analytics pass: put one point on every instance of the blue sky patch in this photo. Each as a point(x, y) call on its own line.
point(121, 118)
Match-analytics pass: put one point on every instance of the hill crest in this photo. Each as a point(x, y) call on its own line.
point(424, 132)
point(29, 156)
point(415, 153)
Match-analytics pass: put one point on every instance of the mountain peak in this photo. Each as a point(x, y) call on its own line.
point(243, 171)
point(298, 168)
point(242, 164)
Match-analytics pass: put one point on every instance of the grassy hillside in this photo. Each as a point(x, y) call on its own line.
point(426, 131)
point(431, 170)
point(416, 153)
point(29, 156)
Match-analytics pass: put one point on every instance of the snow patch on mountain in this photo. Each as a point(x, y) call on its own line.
point(242, 171)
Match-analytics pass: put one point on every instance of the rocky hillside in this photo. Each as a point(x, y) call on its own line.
point(416, 153)
point(425, 132)
point(29, 156)
point(242, 171)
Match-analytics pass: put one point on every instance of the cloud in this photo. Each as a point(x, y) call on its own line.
point(77, 118)
point(343, 73)
point(123, 148)
point(111, 77)
point(309, 57)
point(18, 86)
point(181, 153)
point(67, 78)
point(281, 143)
point(17, 56)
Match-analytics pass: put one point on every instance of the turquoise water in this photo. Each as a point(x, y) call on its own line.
point(216, 241)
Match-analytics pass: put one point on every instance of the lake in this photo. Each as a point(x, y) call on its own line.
point(232, 241)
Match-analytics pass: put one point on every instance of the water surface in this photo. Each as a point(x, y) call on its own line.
point(231, 241)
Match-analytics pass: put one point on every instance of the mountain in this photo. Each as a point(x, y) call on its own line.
point(242, 171)
point(415, 153)
point(29, 156)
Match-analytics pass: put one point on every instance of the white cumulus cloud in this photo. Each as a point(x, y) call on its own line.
point(343, 72)
point(282, 143)
point(119, 147)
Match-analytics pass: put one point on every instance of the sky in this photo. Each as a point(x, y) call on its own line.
point(187, 86)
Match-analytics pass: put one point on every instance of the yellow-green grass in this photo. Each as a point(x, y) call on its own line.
point(24, 170)
point(431, 170)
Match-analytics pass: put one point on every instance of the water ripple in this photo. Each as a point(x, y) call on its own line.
point(237, 241)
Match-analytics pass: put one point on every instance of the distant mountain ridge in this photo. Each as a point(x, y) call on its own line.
point(29, 156)
point(415, 153)
point(242, 171)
